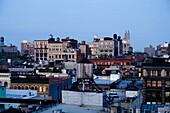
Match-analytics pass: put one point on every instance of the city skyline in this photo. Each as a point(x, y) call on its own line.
point(147, 21)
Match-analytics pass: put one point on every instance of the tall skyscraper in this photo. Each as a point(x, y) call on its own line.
point(126, 42)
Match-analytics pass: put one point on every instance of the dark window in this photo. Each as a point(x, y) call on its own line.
point(41, 54)
point(37, 54)
point(45, 54)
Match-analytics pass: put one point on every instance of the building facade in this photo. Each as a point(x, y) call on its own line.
point(106, 47)
point(163, 49)
point(5, 79)
point(51, 49)
point(27, 48)
point(50, 85)
point(156, 81)
point(8, 52)
point(40, 50)
point(150, 50)
point(126, 42)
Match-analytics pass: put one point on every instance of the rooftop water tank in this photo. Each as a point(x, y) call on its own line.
point(84, 69)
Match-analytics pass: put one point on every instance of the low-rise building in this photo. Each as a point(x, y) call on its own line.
point(5, 79)
point(43, 82)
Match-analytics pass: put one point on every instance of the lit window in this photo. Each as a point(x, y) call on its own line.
point(40, 89)
point(153, 83)
point(44, 89)
point(167, 94)
point(148, 83)
point(167, 84)
point(159, 84)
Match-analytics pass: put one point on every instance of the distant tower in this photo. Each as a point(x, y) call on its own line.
point(1, 41)
point(24, 47)
point(126, 42)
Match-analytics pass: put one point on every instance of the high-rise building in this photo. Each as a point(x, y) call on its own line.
point(150, 50)
point(156, 81)
point(126, 42)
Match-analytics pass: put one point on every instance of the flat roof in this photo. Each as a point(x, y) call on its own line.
point(76, 109)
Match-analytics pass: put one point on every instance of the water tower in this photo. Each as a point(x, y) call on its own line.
point(84, 69)
point(84, 72)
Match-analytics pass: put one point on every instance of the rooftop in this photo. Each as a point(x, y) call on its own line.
point(76, 109)
point(103, 81)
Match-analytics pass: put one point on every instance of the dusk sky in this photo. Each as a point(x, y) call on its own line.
point(147, 20)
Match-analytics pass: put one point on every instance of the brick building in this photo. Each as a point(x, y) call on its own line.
point(49, 85)
point(156, 81)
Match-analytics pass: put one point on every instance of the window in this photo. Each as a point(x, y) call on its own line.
point(159, 83)
point(108, 63)
point(167, 84)
point(148, 83)
point(167, 102)
point(41, 54)
point(37, 54)
point(153, 73)
point(167, 94)
point(45, 54)
point(167, 72)
point(44, 89)
point(59, 56)
point(40, 89)
point(153, 83)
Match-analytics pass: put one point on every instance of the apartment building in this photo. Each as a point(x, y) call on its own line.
point(156, 81)
point(51, 49)
point(41, 50)
point(109, 46)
